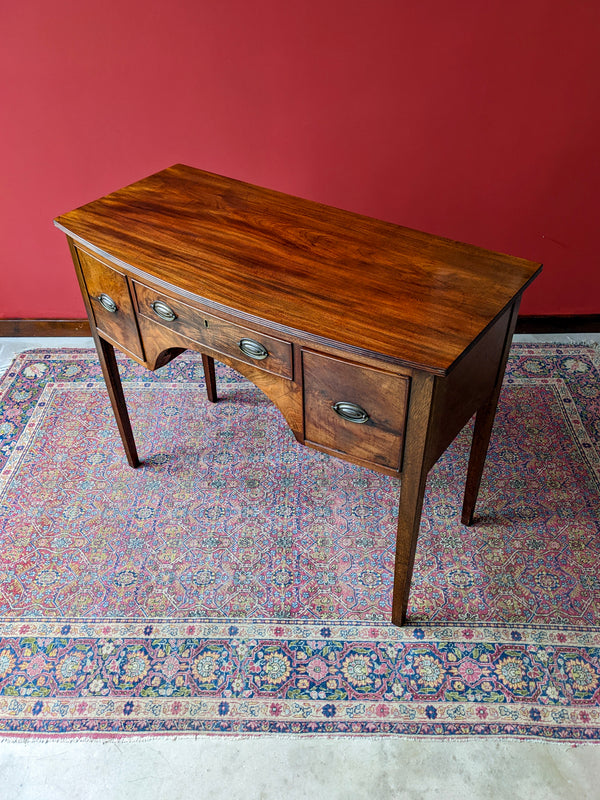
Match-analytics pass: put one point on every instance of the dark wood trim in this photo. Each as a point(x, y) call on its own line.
point(44, 327)
point(110, 370)
point(544, 323)
point(558, 323)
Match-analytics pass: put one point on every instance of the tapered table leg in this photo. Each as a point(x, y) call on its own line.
point(484, 422)
point(412, 491)
point(208, 363)
point(110, 370)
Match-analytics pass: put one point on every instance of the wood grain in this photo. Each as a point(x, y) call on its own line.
point(119, 324)
point(367, 285)
point(381, 395)
point(412, 490)
point(215, 333)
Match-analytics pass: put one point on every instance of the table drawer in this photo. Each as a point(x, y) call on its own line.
point(111, 302)
point(353, 409)
point(266, 352)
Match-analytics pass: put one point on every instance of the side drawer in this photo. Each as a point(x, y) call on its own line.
point(266, 352)
point(353, 409)
point(111, 302)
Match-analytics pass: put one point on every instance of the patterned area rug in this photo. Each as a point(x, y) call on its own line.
point(241, 583)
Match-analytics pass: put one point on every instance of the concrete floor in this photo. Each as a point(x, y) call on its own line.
point(273, 767)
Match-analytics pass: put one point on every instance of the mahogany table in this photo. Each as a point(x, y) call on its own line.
point(378, 343)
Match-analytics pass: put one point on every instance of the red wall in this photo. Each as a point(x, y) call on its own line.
point(475, 119)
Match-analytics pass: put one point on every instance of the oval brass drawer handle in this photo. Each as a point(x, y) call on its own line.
point(253, 349)
point(162, 310)
point(107, 302)
point(351, 412)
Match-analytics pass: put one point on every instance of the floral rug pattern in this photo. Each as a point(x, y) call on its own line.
point(239, 582)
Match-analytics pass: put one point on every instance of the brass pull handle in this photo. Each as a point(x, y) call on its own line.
point(253, 349)
point(351, 412)
point(162, 310)
point(107, 302)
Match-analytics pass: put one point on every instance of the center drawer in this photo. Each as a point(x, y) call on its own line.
point(266, 352)
point(354, 410)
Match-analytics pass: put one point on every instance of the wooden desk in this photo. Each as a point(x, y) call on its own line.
point(377, 343)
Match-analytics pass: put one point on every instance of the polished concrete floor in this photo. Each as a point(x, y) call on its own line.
point(273, 768)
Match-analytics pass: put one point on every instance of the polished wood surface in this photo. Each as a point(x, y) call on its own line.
point(110, 370)
point(213, 332)
point(484, 421)
point(105, 282)
point(208, 364)
point(329, 380)
point(368, 285)
point(412, 490)
point(377, 343)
